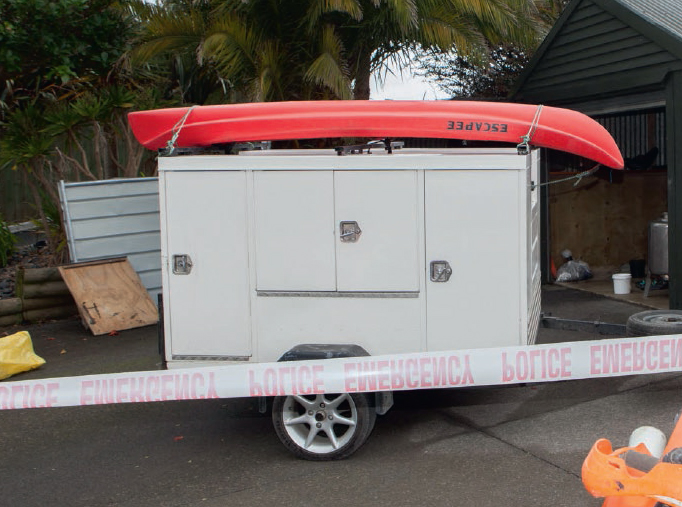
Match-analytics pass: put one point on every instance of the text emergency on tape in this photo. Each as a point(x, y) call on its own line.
point(398, 372)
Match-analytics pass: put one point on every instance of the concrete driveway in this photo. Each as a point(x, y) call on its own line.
point(499, 446)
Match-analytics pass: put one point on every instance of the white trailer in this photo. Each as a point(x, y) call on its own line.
point(304, 254)
point(301, 254)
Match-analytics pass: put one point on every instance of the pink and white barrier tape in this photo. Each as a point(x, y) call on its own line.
point(397, 372)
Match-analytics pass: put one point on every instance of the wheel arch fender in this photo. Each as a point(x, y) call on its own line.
point(311, 351)
point(383, 401)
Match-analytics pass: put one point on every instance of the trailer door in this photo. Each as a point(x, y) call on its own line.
point(207, 269)
point(383, 255)
point(473, 260)
point(336, 231)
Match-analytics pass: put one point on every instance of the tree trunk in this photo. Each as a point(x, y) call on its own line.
point(363, 74)
point(37, 201)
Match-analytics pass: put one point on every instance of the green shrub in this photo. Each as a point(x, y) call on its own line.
point(7, 241)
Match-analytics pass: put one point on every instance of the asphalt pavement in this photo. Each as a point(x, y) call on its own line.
point(519, 445)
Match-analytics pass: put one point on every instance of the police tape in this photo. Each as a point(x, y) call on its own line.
point(396, 372)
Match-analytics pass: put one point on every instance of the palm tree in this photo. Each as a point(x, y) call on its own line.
point(166, 44)
point(492, 72)
point(254, 51)
point(307, 49)
point(377, 32)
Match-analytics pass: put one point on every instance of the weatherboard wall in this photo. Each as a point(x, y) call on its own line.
point(115, 218)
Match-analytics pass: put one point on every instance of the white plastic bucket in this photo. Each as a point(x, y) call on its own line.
point(653, 438)
point(621, 283)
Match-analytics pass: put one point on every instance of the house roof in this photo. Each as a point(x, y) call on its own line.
point(665, 14)
point(642, 41)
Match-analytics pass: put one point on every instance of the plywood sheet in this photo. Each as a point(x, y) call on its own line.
point(109, 295)
point(605, 224)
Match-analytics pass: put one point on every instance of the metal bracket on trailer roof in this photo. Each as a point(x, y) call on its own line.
point(356, 149)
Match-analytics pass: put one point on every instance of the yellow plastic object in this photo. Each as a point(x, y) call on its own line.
point(17, 355)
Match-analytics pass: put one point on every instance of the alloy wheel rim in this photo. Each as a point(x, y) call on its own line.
point(322, 423)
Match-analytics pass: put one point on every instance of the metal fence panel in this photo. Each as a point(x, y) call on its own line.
point(115, 218)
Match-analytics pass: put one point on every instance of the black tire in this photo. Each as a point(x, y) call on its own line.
point(654, 322)
point(324, 427)
point(673, 456)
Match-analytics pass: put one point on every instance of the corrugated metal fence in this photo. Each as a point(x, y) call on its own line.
point(638, 132)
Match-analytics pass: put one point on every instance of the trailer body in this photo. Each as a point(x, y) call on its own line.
point(414, 251)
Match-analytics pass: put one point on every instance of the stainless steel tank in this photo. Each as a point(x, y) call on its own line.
point(658, 246)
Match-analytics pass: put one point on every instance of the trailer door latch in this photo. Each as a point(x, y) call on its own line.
point(182, 264)
point(440, 271)
point(350, 232)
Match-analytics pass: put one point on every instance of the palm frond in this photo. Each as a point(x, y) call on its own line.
point(328, 68)
point(318, 8)
point(149, 50)
point(165, 33)
point(403, 13)
point(269, 85)
point(442, 36)
point(232, 47)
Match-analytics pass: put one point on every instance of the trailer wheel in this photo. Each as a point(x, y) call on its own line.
point(655, 322)
point(324, 426)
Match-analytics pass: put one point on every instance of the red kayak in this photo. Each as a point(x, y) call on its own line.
point(542, 126)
